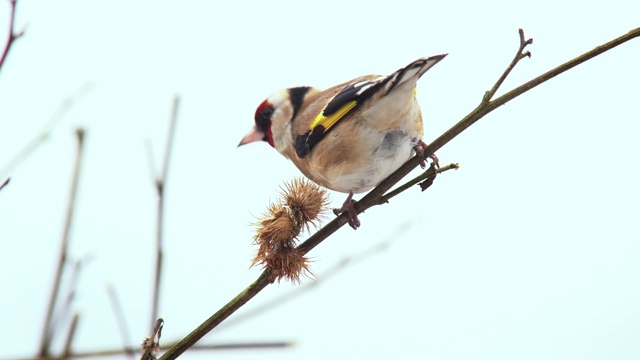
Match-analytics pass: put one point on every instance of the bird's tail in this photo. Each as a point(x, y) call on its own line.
point(412, 71)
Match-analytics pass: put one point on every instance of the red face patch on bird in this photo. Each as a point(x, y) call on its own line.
point(263, 121)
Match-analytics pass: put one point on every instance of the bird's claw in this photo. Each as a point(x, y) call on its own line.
point(419, 149)
point(352, 213)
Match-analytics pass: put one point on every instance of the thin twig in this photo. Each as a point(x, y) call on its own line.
point(5, 183)
point(374, 196)
point(161, 182)
point(120, 320)
point(430, 172)
point(47, 330)
point(66, 350)
point(520, 54)
point(13, 36)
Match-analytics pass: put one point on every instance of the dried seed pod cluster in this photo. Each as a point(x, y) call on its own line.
point(302, 203)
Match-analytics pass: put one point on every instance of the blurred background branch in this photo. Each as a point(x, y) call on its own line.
point(42, 136)
point(48, 329)
point(160, 186)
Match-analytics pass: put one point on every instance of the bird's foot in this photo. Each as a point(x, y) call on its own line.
point(350, 209)
point(419, 149)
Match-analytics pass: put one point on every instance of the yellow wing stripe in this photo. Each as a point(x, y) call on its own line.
point(328, 121)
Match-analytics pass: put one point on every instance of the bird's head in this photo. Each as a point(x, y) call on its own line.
point(274, 115)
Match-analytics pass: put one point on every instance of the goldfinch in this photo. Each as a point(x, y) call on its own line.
point(350, 137)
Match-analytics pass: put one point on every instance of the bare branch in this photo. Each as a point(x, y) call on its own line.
point(13, 36)
point(374, 196)
point(47, 330)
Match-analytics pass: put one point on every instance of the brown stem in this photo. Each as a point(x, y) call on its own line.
point(374, 196)
point(47, 331)
point(13, 36)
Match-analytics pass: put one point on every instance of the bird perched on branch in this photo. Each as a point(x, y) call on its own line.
point(350, 137)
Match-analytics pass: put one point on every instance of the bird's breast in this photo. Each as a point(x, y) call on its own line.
point(360, 163)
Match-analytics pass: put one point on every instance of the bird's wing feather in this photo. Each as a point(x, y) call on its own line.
point(344, 102)
point(353, 95)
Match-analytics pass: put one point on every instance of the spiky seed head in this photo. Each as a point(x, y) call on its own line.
point(306, 201)
point(302, 203)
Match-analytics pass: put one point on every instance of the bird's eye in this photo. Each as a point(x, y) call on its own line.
point(267, 113)
point(263, 120)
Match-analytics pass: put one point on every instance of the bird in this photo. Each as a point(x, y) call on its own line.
point(349, 137)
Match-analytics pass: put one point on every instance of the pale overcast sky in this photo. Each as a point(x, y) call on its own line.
point(530, 251)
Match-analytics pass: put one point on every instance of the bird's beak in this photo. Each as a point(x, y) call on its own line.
point(253, 135)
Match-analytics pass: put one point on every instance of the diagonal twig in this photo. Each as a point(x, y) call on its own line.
point(120, 320)
point(374, 196)
point(4, 183)
point(46, 130)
